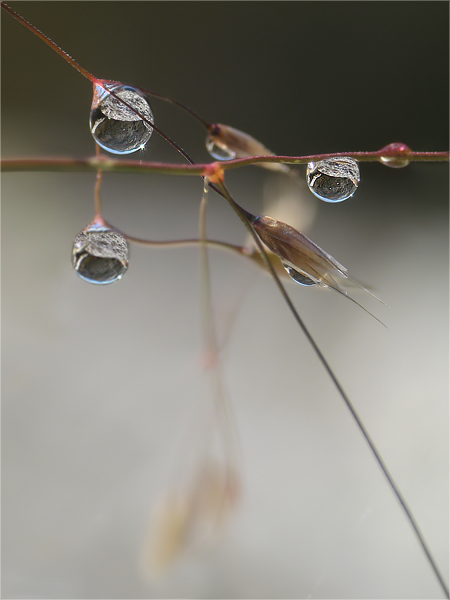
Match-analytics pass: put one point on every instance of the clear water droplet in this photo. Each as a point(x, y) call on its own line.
point(396, 162)
point(333, 179)
point(114, 126)
point(298, 276)
point(219, 150)
point(100, 254)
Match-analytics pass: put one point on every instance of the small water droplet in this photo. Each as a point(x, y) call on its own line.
point(100, 254)
point(219, 150)
point(298, 276)
point(333, 179)
point(396, 162)
point(114, 126)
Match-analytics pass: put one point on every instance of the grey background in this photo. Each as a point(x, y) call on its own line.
point(102, 386)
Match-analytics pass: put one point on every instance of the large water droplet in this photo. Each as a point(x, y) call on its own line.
point(114, 126)
point(298, 276)
point(218, 150)
point(333, 179)
point(397, 162)
point(100, 254)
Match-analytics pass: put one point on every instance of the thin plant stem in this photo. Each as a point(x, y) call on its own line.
point(86, 73)
point(232, 248)
point(235, 163)
point(225, 415)
point(103, 163)
point(186, 109)
point(98, 185)
point(50, 43)
point(245, 217)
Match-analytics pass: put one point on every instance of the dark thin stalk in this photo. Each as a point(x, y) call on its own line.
point(49, 42)
point(186, 109)
point(246, 219)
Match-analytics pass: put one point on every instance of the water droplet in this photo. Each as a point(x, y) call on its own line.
point(298, 276)
point(396, 162)
point(114, 126)
point(219, 150)
point(333, 179)
point(100, 254)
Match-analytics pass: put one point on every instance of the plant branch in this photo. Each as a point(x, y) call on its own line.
point(103, 163)
point(245, 217)
point(195, 242)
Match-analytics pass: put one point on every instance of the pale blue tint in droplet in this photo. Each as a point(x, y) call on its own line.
point(100, 254)
point(298, 276)
point(117, 128)
point(333, 179)
point(218, 150)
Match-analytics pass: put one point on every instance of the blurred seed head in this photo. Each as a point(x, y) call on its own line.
point(189, 518)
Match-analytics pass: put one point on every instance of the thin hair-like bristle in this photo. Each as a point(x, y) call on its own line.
point(366, 290)
point(339, 291)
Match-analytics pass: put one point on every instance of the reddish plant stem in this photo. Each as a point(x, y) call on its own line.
point(104, 163)
point(49, 42)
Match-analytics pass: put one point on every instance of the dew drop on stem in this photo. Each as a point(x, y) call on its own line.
point(298, 276)
point(218, 150)
point(396, 162)
point(333, 179)
point(114, 126)
point(100, 254)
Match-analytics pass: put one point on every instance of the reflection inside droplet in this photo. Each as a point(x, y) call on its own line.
point(218, 150)
point(114, 126)
point(298, 276)
point(100, 254)
point(333, 179)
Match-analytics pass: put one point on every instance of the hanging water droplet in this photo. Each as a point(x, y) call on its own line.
point(114, 126)
point(218, 150)
point(396, 162)
point(100, 254)
point(298, 276)
point(333, 179)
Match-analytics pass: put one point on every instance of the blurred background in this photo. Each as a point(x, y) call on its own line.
point(103, 386)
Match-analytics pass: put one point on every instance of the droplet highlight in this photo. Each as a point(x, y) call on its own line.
point(100, 254)
point(298, 276)
point(333, 179)
point(219, 150)
point(114, 126)
point(396, 162)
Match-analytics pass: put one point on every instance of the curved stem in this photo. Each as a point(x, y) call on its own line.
point(186, 109)
point(246, 218)
point(193, 242)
